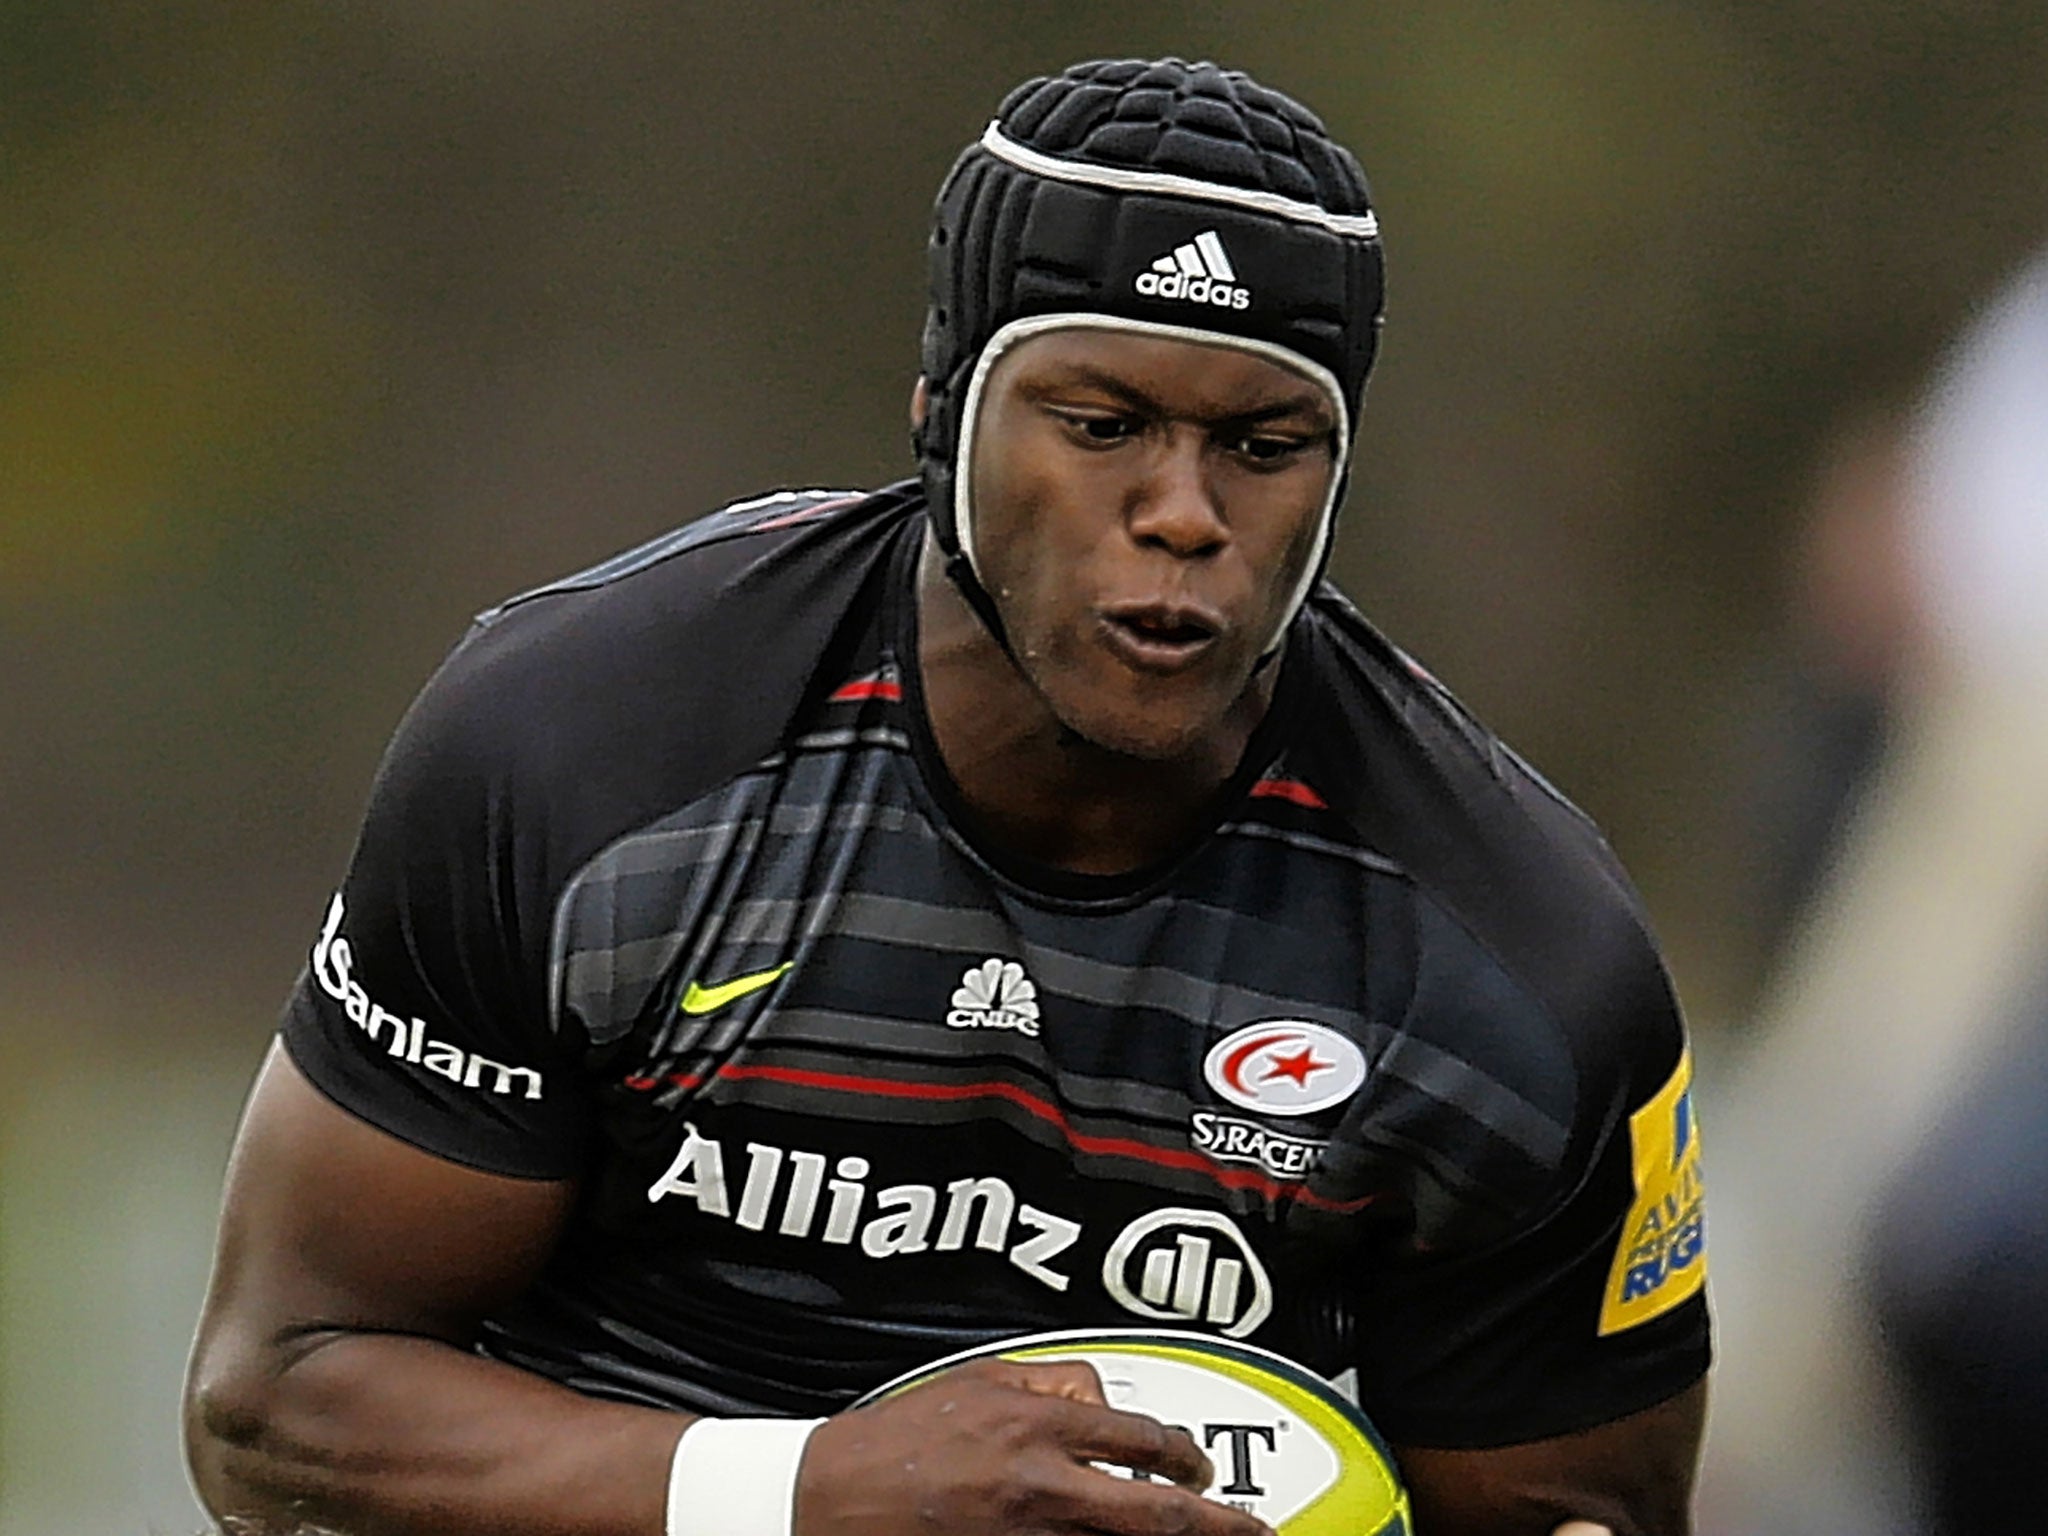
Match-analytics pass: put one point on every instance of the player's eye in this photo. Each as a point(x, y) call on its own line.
point(1268, 450)
point(1098, 429)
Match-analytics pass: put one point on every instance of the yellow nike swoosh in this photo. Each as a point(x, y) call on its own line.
point(697, 999)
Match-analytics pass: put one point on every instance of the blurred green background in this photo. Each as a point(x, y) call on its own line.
point(323, 327)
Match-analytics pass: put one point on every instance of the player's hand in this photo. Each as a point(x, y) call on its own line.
point(999, 1448)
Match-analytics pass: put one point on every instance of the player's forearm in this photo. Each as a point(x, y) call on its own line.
point(395, 1435)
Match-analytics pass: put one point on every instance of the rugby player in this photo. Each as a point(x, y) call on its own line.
point(862, 925)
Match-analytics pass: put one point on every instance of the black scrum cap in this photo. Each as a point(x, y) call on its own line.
point(1160, 197)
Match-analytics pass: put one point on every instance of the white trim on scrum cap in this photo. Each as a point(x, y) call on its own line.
point(1112, 178)
point(1084, 320)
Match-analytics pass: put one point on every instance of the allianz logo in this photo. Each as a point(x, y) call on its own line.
point(832, 1201)
point(1183, 1264)
point(406, 1039)
point(1174, 1264)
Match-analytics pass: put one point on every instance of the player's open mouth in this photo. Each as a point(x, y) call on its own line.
point(1159, 637)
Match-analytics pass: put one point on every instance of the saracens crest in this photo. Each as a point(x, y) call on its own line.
point(1285, 1067)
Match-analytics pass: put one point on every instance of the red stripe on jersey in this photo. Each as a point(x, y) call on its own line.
point(1031, 1103)
point(868, 688)
point(641, 1084)
point(1289, 789)
point(803, 512)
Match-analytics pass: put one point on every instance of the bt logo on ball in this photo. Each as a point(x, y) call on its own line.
point(1289, 1447)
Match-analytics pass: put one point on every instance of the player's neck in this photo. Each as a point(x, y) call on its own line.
point(1036, 787)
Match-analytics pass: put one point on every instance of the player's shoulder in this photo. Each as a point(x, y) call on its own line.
point(660, 672)
point(715, 607)
point(1492, 846)
point(741, 554)
point(1372, 690)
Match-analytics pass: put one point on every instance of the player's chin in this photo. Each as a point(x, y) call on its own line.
point(1143, 741)
point(1157, 722)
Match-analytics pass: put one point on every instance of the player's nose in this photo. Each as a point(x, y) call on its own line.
point(1176, 506)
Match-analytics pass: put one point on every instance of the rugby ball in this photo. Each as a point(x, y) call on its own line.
point(1287, 1446)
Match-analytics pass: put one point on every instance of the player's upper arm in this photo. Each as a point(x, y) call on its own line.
point(1553, 1368)
point(332, 1382)
point(331, 1226)
point(1633, 1476)
point(330, 1229)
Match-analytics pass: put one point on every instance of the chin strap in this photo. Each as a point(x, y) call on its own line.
point(960, 571)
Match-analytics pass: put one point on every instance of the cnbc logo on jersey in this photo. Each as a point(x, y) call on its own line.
point(1662, 1257)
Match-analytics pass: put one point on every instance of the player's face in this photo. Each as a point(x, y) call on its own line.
point(1142, 509)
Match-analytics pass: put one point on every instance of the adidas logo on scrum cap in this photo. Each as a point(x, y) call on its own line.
point(1198, 272)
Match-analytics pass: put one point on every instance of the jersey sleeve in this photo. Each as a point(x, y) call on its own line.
point(1586, 1300)
point(567, 717)
point(423, 1007)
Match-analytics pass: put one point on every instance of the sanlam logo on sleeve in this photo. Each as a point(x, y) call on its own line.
point(406, 1039)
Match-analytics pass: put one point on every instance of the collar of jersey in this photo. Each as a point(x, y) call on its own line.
point(1048, 884)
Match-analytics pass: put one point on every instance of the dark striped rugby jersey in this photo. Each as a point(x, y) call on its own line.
point(662, 888)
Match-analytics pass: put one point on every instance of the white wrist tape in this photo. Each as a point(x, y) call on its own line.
point(736, 1477)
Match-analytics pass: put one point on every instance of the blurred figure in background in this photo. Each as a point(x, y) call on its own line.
point(1959, 1286)
point(1830, 711)
point(1867, 1193)
point(1959, 1259)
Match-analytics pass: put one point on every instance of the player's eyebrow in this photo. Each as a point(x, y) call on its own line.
point(1309, 402)
point(1310, 405)
point(1071, 375)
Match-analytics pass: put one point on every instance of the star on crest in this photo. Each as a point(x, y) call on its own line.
point(1300, 1066)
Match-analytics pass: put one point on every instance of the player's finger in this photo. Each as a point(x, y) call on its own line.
point(1137, 1441)
point(1133, 1507)
point(1072, 1379)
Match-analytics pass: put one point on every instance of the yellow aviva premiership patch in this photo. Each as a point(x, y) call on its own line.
point(1662, 1259)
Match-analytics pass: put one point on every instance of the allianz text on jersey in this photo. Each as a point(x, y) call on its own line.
point(406, 1039)
point(1176, 1264)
